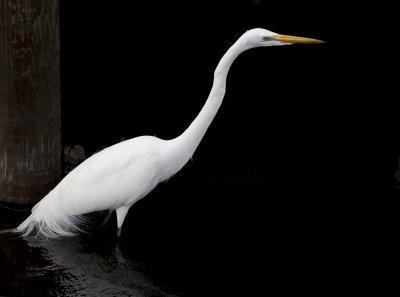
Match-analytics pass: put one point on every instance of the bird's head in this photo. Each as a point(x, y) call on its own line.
point(262, 37)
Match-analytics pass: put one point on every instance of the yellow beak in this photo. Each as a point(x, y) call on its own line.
point(295, 39)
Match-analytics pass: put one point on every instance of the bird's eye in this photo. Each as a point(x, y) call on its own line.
point(266, 38)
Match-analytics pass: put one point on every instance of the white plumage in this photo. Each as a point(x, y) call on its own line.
point(114, 179)
point(118, 176)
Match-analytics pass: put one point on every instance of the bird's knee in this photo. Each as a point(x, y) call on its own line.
point(121, 214)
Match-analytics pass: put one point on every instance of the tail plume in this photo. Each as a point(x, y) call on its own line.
point(50, 220)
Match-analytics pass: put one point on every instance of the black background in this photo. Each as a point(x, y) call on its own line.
point(280, 179)
point(147, 70)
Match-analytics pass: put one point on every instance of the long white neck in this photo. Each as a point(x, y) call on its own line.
point(185, 145)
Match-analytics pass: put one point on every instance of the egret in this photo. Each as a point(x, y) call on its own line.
point(120, 175)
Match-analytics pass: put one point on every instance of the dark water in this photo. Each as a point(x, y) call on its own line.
point(167, 247)
point(81, 266)
point(187, 238)
point(71, 267)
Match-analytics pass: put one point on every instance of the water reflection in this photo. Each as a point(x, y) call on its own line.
point(80, 266)
point(179, 241)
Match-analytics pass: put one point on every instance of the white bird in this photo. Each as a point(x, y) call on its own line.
point(122, 174)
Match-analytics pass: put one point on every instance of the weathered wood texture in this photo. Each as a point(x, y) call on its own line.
point(30, 138)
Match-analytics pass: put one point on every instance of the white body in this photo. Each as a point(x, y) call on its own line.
point(112, 179)
point(107, 181)
point(117, 177)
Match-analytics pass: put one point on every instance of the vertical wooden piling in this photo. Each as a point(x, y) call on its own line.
point(30, 138)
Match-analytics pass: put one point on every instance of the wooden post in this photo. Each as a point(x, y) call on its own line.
point(30, 116)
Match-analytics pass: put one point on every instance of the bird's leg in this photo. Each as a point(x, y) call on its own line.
point(121, 214)
point(107, 218)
